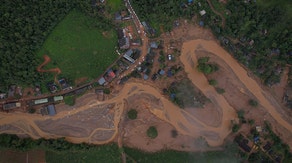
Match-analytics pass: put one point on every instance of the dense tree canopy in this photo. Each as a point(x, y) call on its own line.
point(24, 27)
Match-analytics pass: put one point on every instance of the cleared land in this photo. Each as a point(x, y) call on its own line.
point(79, 47)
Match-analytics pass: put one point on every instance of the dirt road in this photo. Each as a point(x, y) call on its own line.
point(47, 59)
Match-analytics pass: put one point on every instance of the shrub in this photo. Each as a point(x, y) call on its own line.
point(240, 114)
point(251, 121)
point(69, 100)
point(174, 133)
point(132, 114)
point(253, 103)
point(213, 82)
point(235, 128)
point(107, 91)
point(31, 110)
point(203, 60)
point(152, 132)
point(220, 90)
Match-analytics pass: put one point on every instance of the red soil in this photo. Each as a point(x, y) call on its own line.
point(47, 59)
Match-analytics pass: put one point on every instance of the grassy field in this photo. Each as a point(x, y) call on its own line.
point(178, 157)
point(106, 153)
point(115, 4)
point(9, 156)
point(79, 48)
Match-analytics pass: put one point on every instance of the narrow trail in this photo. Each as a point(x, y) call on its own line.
point(47, 59)
point(217, 13)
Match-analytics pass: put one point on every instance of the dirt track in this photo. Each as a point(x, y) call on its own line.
point(47, 59)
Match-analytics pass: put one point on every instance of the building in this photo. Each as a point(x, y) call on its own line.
point(64, 84)
point(202, 13)
point(148, 28)
point(118, 16)
point(58, 98)
point(41, 101)
point(48, 110)
point(101, 81)
point(52, 87)
point(124, 43)
point(110, 75)
point(128, 56)
point(145, 77)
point(154, 45)
point(12, 105)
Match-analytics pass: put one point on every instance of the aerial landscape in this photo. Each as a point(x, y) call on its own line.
point(146, 81)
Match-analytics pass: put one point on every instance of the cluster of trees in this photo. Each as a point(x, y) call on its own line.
point(13, 142)
point(24, 27)
point(259, 33)
point(163, 13)
point(263, 34)
point(152, 132)
point(205, 67)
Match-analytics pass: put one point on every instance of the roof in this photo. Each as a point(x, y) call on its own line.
point(161, 72)
point(41, 101)
point(129, 52)
point(110, 73)
point(120, 33)
point(154, 45)
point(51, 110)
point(101, 81)
point(13, 105)
point(145, 77)
point(118, 16)
point(203, 12)
point(124, 43)
point(129, 58)
point(58, 98)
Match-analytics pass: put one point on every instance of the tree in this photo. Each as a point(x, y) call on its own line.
point(253, 103)
point(132, 114)
point(174, 133)
point(240, 114)
point(213, 82)
point(152, 132)
point(251, 122)
point(220, 90)
point(107, 91)
point(235, 128)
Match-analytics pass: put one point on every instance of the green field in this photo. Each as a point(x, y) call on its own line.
point(105, 153)
point(79, 48)
point(181, 157)
point(115, 4)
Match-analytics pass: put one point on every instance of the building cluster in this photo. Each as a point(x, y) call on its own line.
point(257, 143)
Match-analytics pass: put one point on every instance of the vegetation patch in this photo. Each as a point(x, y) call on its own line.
point(205, 67)
point(132, 114)
point(220, 90)
point(253, 103)
point(170, 156)
point(104, 153)
point(152, 132)
point(69, 100)
point(78, 47)
point(115, 4)
point(185, 94)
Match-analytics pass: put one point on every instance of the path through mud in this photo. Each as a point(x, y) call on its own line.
point(47, 59)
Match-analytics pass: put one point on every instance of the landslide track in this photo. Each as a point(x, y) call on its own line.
point(97, 122)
